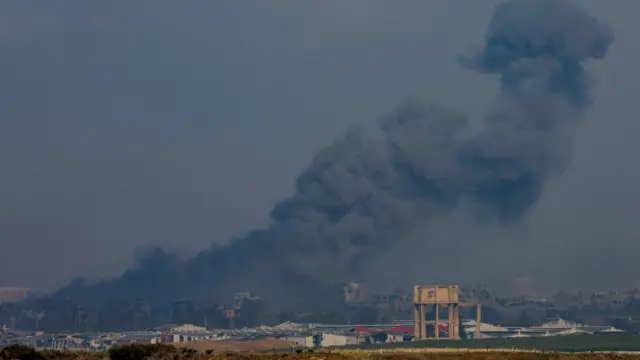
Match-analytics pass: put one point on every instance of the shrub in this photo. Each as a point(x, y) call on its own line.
point(20, 352)
point(139, 351)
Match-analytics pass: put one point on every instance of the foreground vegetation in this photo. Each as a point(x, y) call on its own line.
point(571, 343)
point(167, 352)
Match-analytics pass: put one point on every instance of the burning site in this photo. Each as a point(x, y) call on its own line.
point(363, 194)
point(378, 195)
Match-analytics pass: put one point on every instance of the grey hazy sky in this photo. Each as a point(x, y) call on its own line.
point(132, 123)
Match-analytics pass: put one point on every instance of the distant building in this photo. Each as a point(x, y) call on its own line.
point(188, 328)
point(553, 327)
point(338, 340)
point(354, 293)
point(137, 338)
point(558, 323)
point(301, 340)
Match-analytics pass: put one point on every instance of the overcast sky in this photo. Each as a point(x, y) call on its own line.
point(134, 123)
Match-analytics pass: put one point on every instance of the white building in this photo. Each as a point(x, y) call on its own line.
point(338, 340)
point(301, 340)
point(189, 337)
point(558, 323)
point(392, 338)
point(188, 328)
point(486, 330)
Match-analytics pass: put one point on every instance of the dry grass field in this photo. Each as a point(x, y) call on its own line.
point(263, 350)
point(477, 354)
point(237, 346)
point(574, 343)
point(409, 354)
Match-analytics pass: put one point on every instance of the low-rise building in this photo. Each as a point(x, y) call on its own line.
point(301, 340)
point(338, 340)
point(188, 328)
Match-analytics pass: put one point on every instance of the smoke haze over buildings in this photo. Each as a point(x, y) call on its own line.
point(379, 201)
point(364, 192)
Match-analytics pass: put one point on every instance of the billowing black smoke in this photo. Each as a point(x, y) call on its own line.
point(364, 191)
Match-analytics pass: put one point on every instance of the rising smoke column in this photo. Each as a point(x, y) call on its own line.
point(364, 191)
point(537, 48)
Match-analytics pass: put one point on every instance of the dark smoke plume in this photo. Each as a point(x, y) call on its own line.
point(364, 191)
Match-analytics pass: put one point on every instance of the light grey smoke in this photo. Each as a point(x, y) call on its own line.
point(363, 194)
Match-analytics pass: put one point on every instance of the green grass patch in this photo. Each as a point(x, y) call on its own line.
point(569, 343)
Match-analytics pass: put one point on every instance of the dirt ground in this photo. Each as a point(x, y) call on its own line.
point(237, 346)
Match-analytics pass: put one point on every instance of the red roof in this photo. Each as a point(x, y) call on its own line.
point(399, 329)
point(362, 329)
